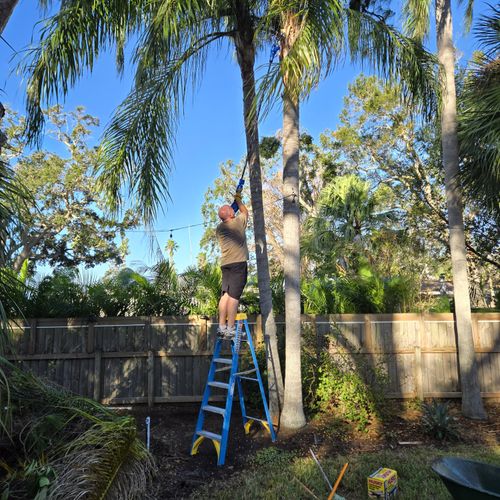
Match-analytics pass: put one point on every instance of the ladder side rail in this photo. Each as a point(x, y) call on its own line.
point(242, 400)
point(229, 404)
point(261, 385)
point(207, 391)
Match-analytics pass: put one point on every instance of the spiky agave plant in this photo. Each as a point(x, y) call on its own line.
point(88, 450)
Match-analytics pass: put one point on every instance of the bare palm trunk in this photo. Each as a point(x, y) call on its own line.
point(246, 59)
point(6, 9)
point(292, 416)
point(293, 412)
point(472, 405)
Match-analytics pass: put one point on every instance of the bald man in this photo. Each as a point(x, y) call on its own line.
point(231, 235)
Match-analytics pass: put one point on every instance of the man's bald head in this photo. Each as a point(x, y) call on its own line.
point(226, 212)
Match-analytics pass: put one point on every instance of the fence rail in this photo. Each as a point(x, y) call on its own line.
point(166, 359)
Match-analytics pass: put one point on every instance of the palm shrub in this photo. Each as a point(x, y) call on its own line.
point(65, 446)
point(437, 421)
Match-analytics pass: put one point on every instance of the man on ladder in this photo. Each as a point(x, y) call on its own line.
point(231, 235)
point(232, 239)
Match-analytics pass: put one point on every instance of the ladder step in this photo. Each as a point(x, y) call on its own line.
point(209, 435)
point(249, 378)
point(225, 361)
point(225, 369)
point(220, 385)
point(257, 419)
point(246, 372)
point(214, 409)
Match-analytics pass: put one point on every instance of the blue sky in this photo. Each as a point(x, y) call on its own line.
point(210, 132)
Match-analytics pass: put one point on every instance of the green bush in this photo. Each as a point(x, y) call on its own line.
point(345, 382)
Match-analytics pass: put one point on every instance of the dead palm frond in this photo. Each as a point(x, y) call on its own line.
point(93, 452)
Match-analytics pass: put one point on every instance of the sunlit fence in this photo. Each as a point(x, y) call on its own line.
point(166, 359)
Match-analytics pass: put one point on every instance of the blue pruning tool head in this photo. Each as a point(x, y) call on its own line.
point(239, 188)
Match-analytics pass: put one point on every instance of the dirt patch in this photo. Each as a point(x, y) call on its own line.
point(179, 473)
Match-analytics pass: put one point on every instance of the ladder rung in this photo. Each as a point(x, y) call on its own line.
point(225, 361)
point(225, 369)
point(245, 372)
point(250, 378)
point(257, 419)
point(209, 435)
point(214, 409)
point(220, 385)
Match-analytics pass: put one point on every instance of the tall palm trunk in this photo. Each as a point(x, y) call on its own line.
point(292, 416)
point(6, 9)
point(245, 48)
point(472, 405)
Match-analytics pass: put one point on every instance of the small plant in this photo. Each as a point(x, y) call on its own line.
point(438, 422)
point(272, 457)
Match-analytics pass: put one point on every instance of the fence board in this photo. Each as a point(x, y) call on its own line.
point(108, 359)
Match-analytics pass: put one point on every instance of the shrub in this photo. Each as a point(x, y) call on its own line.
point(438, 422)
point(344, 381)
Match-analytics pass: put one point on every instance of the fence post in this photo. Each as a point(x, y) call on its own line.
point(32, 339)
point(368, 334)
point(97, 374)
point(419, 373)
point(203, 338)
point(259, 334)
point(151, 370)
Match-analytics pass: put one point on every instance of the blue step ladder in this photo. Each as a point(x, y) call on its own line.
point(218, 365)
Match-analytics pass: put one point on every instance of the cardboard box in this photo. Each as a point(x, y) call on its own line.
point(383, 484)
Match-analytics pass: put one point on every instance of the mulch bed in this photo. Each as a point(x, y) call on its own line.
point(179, 474)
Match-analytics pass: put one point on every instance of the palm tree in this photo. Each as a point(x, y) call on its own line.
point(418, 25)
point(314, 35)
point(479, 120)
point(171, 247)
point(173, 39)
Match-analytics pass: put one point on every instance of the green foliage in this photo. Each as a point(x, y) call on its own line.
point(65, 225)
point(437, 421)
point(441, 305)
point(344, 382)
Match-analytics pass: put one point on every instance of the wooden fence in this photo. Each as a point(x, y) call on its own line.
point(163, 360)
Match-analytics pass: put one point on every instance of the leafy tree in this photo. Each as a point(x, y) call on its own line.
point(418, 25)
point(383, 140)
point(66, 224)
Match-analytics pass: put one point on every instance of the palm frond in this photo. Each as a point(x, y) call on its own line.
point(345, 32)
point(93, 452)
point(417, 18)
point(136, 148)
point(479, 120)
point(70, 43)
point(397, 58)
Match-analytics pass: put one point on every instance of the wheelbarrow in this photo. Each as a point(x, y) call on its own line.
point(468, 480)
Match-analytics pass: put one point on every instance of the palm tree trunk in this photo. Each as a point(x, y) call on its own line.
point(6, 9)
point(292, 416)
point(293, 411)
point(472, 405)
point(246, 59)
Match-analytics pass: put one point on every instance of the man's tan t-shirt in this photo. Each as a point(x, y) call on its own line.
point(232, 240)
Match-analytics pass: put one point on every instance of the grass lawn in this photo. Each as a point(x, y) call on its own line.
point(271, 473)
